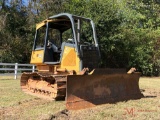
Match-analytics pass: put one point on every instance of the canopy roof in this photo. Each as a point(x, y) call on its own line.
point(61, 21)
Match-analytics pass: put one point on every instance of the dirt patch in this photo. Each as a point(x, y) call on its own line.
point(148, 92)
point(82, 114)
point(62, 115)
point(9, 112)
point(76, 115)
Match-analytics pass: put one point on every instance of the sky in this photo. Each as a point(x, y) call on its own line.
point(25, 2)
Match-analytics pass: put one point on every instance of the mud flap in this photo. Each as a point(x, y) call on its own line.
point(84, 91)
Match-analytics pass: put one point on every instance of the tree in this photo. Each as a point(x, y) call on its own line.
point(140, 32)
point(14, 34)
point(127, 31)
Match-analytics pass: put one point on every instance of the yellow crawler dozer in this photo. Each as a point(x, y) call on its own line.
point(67, 56)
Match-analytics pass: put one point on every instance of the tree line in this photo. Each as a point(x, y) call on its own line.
point(128, 32)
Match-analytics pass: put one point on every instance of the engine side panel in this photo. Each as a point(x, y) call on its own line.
point(70, 59)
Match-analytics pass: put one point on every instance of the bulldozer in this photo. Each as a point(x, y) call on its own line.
point(67, 56)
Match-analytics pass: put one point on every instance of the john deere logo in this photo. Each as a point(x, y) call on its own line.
point(39, 55)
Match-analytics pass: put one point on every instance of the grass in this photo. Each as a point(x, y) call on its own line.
point(11, 93)
point(143, 109)
point(16, 105)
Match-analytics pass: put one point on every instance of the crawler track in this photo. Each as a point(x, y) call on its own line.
point(45, 85)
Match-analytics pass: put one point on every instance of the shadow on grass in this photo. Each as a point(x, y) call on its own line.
point(63, 114)
point(148, 96)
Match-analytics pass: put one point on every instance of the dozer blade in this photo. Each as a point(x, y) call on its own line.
point(84, 91)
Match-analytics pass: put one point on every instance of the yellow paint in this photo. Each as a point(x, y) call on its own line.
point(37, 57)
point(70, 60)
point(39, 25)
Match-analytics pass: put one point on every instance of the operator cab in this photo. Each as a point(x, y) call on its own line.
point(49, 37)
point(54, 34)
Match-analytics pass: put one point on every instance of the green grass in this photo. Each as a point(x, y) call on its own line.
point(16, 105)
point(150, 82)
point(11, 93)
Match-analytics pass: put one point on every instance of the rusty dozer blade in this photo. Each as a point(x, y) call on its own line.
point(84, 91)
